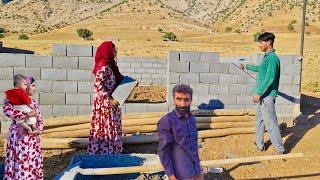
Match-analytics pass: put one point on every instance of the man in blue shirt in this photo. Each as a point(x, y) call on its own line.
point(178, 138)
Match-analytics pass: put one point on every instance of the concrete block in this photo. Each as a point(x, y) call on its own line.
point(136, 65)
point(258, 58)
point(86, 63)
point(296, 59)
point(219, 67)
point(199, 67)
point(34, 72)
point(5, 85)
point(189, 56)
point(63, 110)
point(146, 76)
point(84, 110)
point(78, 99)
point(162, 107)
point(146, 65)
point(53, 74)
point(85, 87)
point(6, 73)
point(52, 98)
point(286, 79)
point(285, 59)
point(135, 76)
point(200, 88)
point(237, 89)
point(136, 107)
point(249, 88)
point(218, 89)
point(244, 99)
point(127, 59)
point(12, 60)
point(178, 67)
point(155, 76)
point(282, 100)
point(174, 56)
point(161, 81)
point(234, 69)
point(291, 90)
point(296, 79)
point(59, 50)
point(161, 71)
point(189, 78)
point(35, 61)
point(64, 86)
point(139, 70)
point(79, 50)
point(44, 86)
point(228, 79)
point(152, 71)
point(146, 81)
point(292, 69)
point(66, 62)
point(235, 106)
point(79, 75)
point(174, 78)
point(211, 78)
point(209, 57)
point(158, 65)
point(139, 59)
point(46, 110)
point(228, 99)
point(4, 126)
point(246, 79)
point(129, 70)
point(124, 65)
point(94, 51)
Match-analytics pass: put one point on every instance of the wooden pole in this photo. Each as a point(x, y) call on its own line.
point(68, 128)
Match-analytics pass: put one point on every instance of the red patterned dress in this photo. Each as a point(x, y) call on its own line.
point(23, 155)
point(105, 132)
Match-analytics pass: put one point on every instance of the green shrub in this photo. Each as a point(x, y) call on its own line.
point(1, 36)
point(256, 36)
point(23, 37)
point(2, 30)
point(291, 25)
point(84, 33)
point(169, 36)
point(160, 29)
point(228, 29)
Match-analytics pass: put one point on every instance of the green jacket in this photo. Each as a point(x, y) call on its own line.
point(268, 75)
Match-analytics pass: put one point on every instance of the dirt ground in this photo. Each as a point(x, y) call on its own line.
point(148, 94)
point(297, 139)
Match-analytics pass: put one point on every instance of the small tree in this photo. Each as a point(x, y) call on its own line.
point(23, 37)
point(160, 29)
point(228, 29)
point(2, 30)
point(169, 36)
point(256, 36)
point(84, 33)
point(1, 36)
point(291, 25)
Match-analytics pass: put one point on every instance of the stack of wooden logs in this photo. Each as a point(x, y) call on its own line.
point(140, 128)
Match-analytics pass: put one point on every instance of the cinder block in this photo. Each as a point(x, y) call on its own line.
point(59, 50)
point(64, 86)
point(158, 65)
point(234, 69)
point(86, 63)
point(296, 80)
point(286, 79)
point(285, 59)
point(44, 86)
point(5, 85)
point(129, 70)
point(63, 110)
point(135, 76)
point(244, 99)
point(136, 65)
point(46, 110)
point(200, 88)
point(199, 67)
point(290, 90)
point(34, 72)
point(178, 67)
point(65, 62)
point(139, 70)
point(219, 67)
point(228, 99)
point(162, 107)
point(35, 61)
point(237, 89)
point(146, 76)
point(78, 99)
point(6, 73)
point(210, 78)
point(146, 81)
point(249, 88)
point(52, 98)
point(174, 78)
point(127, 59)
point(258, 58)
point(246, 79)
point(124, 65)
point(84, 110)
point(4, 126)
point(188, 56)
point(155, 76)
point(12, 60)
point(292, 69)
point(79, 75)
point(297, 59)
point(139, 59)
point(79, 50)
point(284, 100)
point(94, 51)
point(147, 65)
point(136, 107)
point(218, 89)
point(85, 87)
point(161, 71)
point(228, 79)
point(174, 56)
point(235, 106)
point(189, 78)
point(53, 74)
point(161, 81)
point(209, 57)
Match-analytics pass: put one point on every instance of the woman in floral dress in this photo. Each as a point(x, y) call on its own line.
point(105, 131)
point(23, 154)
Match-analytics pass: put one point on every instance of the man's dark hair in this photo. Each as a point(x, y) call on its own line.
point(182, 88)
point(17, 79)
point(267, 36)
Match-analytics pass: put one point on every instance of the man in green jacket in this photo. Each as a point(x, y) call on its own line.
point(265, 92)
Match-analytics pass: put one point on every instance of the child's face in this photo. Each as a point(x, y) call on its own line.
point(23, 85)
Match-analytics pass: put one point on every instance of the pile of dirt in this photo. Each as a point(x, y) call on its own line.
point(148, 94)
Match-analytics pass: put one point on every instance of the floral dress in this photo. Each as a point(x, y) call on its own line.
point(23, 154)
point(105, 131)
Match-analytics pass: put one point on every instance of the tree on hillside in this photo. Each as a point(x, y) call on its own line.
point(84, 33)
point(169, 36)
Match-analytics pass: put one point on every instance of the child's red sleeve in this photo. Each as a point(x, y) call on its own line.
point(24, 97)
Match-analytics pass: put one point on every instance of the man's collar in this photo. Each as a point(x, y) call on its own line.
point(270, 52)
point(179, 115)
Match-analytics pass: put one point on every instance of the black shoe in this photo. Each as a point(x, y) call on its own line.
point(262, 149)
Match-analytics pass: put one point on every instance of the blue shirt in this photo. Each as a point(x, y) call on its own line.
point(178, 145)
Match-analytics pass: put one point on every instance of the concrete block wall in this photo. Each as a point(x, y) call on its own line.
point(219, 84)
point(65, 81)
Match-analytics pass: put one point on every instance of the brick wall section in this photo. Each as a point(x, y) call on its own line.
point(65, 82)
point(218, 83)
